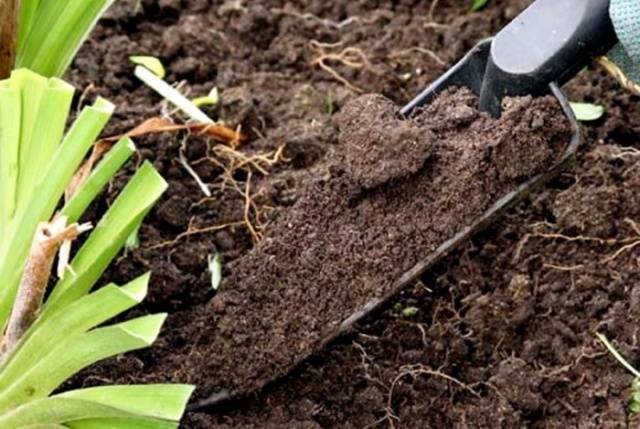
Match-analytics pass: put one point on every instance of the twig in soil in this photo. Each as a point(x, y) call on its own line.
point(350, 57)
point(428, 52)
point(163, 125)
point(195, 231)
point(48, 238)
point(389, 416)
point(238, 160)
point(185, 164)
point(634, 226)
point(432, 10)
point(256, 230)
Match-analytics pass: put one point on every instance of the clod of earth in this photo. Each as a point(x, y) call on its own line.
point(389, 194)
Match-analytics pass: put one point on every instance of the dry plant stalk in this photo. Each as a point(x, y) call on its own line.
point(48, 238)
point(162, 125)
point(8, 35)
point(83, 173)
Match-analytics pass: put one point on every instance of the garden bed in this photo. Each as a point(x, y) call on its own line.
point(500, 334)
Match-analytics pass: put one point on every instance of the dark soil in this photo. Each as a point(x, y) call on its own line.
point(500, 334)
point(361, 224)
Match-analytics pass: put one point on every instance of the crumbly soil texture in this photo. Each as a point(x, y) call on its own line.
point(333, 196)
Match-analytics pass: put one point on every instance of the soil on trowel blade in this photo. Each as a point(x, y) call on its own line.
point(391, 192)
point(498, 335)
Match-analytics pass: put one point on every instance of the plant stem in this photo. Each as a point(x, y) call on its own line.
point(9, 10)
point(36, 274)
point(171, 94)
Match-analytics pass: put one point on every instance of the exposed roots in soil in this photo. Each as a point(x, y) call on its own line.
point(233, 163)
point(615, 71)
point(395, 55)
point(414, 371)
point(431, 22)
point(626, 244)
point(556, 372)
point(350, 57)
point(633, 242)
point(308, 16)
point(191, 230)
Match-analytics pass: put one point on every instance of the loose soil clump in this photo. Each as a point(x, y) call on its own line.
point(392, 191)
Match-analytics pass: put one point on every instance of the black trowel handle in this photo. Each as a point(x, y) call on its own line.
point(549, 42)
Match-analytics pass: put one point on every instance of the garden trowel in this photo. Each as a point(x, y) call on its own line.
point(535, 54)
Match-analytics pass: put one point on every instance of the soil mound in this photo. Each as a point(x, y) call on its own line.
point(391, 192)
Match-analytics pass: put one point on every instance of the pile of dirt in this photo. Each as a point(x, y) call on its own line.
point(500, 334)
point(393, 190)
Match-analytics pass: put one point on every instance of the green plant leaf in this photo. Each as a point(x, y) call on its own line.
point(31, 87)
point(133, 240)
point(57, 410)
point(35, 169)
point(152, 63)
point(28, 10)
point(410, 311)
point(98, 179)
point(54, 31)
point(122, 423)
point(478, 4)
point(65, 161)
point(210, 99)
point(77, 353)
point(586, 112)
point(84, 314)
point(54, 104)
point(109, 236)
point(634, 402)
point(10, 112)
point(162, 401)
